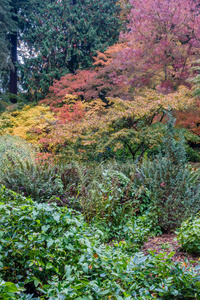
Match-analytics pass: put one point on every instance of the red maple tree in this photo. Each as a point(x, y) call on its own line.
point(163, 39)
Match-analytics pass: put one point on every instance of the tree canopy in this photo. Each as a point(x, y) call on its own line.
point(63, 36)
point(6, 26)
point(163, 41)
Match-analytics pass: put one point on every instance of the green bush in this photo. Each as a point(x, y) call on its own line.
point(40, 181)
point(174, 188)
point(13, 149)
point(102, 192)
point(8, 290)
point(39, 241)
point(192, 154)
point(53, 254)
point(20, 172)
point(189, 235)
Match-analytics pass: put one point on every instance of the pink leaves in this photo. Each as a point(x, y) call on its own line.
point(163, 39)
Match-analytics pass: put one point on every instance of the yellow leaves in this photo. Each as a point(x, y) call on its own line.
point(96, 106)
point(118, 146)
point(20, 123)
point(70, 99)
point(101, 126)
point(152, 101)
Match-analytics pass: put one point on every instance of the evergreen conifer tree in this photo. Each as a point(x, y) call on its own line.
point(17, 9)
point(63, 36)
point(174, 188)
point(11, 23)
point(6, 26)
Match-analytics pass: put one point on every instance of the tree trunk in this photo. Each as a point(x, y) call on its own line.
point(13, 72)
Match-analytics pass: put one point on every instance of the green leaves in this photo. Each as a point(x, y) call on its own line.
point(52, 252)
point(175, 190)
point(65, 38)
point(7, 25)
point(8, 290)
point(189, 236)
point(20, 171)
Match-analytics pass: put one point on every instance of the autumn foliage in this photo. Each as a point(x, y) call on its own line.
point(108, 105)
point(190, 118)
point(157, 50)
point(98, 82)
point(163, 41)
point(82, 129)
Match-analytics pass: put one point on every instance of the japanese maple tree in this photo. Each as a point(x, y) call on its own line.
point(163, 40)
point(87, 128)
point(97, 82)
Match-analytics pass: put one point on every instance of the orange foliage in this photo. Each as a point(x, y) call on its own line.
point(103, 81)
point(71, 110)
point(82, 129)
point(118, 124)
point(107, 57)
point(190, 118)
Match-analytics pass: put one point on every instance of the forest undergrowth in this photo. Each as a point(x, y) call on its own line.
point(76, 231)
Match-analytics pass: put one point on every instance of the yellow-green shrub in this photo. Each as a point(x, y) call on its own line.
point(29, 123)
point(83, 128)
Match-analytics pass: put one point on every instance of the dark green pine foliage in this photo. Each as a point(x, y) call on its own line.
point(63, 36)
point(174, 187)
point(6, 26)
point(11, 26)
point(17, 9)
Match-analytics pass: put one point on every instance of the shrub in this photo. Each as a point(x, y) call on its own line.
point(40, 181)
point(55, 255)
point(47, 239)
point(174, 188)
point(28, 123)
point(13, 148)
point(20, 172)
point(189, 235)
point(8, 290)
point(96, 130)
point(102, 192)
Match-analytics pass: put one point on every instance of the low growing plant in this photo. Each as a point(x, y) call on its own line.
point(8, 290)
point(189, 235)
point(20, 172)
point(40, 181)
point(53, 254)
point(13, 148)
point(174, 188)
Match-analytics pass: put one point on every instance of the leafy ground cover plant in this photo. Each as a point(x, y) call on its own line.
point(40, 181)
point(174, 188)
point(55, 255)
point(20, 172)
point(13, 148)
point(8, 290)
point(40, 240)
point(189, 235)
